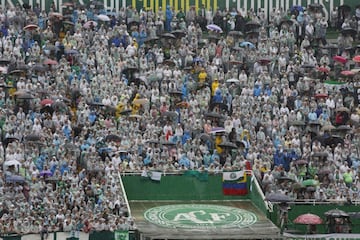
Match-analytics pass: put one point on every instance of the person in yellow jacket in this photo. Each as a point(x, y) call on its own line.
point(135, 106)
point(215, 85)
point(202, 76)
point(218, 140)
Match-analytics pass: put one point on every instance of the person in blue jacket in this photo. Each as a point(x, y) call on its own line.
point(169, 17)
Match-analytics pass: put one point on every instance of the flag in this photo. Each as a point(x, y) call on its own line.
point(156, 176)
point(235, 183)
point(202, 176)
point(121, 235)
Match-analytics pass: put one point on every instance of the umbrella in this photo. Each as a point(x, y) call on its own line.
point(228, 145)
point(183, 104)
point(217, 130)
point(285, 178)
point(236, 33)
point(4, 61)
point(179, 33)
point(151, 39)
point(315, 6)
point(278, 197)
point(152, 141)
point(348, 31)
point(8, 140)
point(95, 104)
point(25, 96)
point(324, 171)
point(113, 137)
point(39, 68)
point(235, 62)
point(309, 66)
point(309, 219)
point(287, 22)
point(89, 24)
point(232, 80)
point(67, 4)
point(343, 109)
point(47, 109)
point(50, 62)
point(344, 8)
point(12, 162)
point(168, 143)
point(327, 127)
point(252, 25)
point(17, 72)
point(15, 179)
point(169, 63)
point(56, 15)
point(71, 52)
point(214, 27)
point(356, 59)
point(340, 59)
point(247, 44)
point(323, 69)
point(141, 101)
point(205, 137)
point(300, 162)
point(264, 61)
point(31, 27)
point(175, 93)
point(168, 36)
point(32, 137)
point(46, 173)
point(297, 123)
point(343, 128)
point(46, 101)
point(103, 17)
point(170, 114)
point(310, 182)
point(336, 213)
point(212, 115)
point(347, 73)
point(59, 105)
point(68, 23)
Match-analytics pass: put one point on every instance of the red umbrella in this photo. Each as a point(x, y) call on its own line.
point(46, 101)
point(309, 219)
point(56, 15)
point(356, 59)
point(340, 59)
point(31, 27)
point(321, 95)
point(347, 73)
point(50, 62)
point(88, 24)
point(323, 69)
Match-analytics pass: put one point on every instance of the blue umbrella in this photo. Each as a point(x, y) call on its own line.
point(15, 178)
point(247, 44)
point(198, 59)
point(71, 51)
point(214, 27)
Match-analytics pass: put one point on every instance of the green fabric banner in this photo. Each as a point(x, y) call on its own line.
point(202, 176)
point(121, 235)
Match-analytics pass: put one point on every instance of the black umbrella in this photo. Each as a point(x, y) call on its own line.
point(47, 109)
point(285, 178)
point(168, 143)
point(236, 33)
point(39, 68)
point(32, 137)
point(252, 25)
point(278, 197)
point(126, 112)
point(307, 66)
point(333, 140)
point(315, 6)
point(133, 22)
point(4, 61)
point(300, 162)
point(95, 104)
point(59, 105)
point(25, 96)
point(336, 213)
point(8, 140)
point(179, 33)
point(168, 36)
point(205, 137)
point(349, 31)
point(212, 115)
point(17, 72)
point(169, 63)
point(170, 114)
point(221, 106)
point(113, 137)
point(240, 144)
point(152, 141)
point(296, 123)
point(151, 39)
point(287, 22)
point(213, 37)
point(228, 145)
point(176, 93)
point(344, 8)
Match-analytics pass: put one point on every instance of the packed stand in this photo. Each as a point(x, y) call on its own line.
point(92, 93)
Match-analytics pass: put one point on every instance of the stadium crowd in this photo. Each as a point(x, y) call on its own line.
point(91, 93)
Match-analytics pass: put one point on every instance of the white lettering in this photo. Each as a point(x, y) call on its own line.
point(191, 216)
point(218, 216)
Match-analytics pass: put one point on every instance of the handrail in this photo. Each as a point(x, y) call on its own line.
point(268, 204)
point(124, 195)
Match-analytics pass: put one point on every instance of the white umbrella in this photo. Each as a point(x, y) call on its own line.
point(103, 17)
point(232, 80)
point(12, 163)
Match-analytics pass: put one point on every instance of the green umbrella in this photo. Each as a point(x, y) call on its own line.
point(310, 182)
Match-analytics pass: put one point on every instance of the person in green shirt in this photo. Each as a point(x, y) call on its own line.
point(180, 15)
